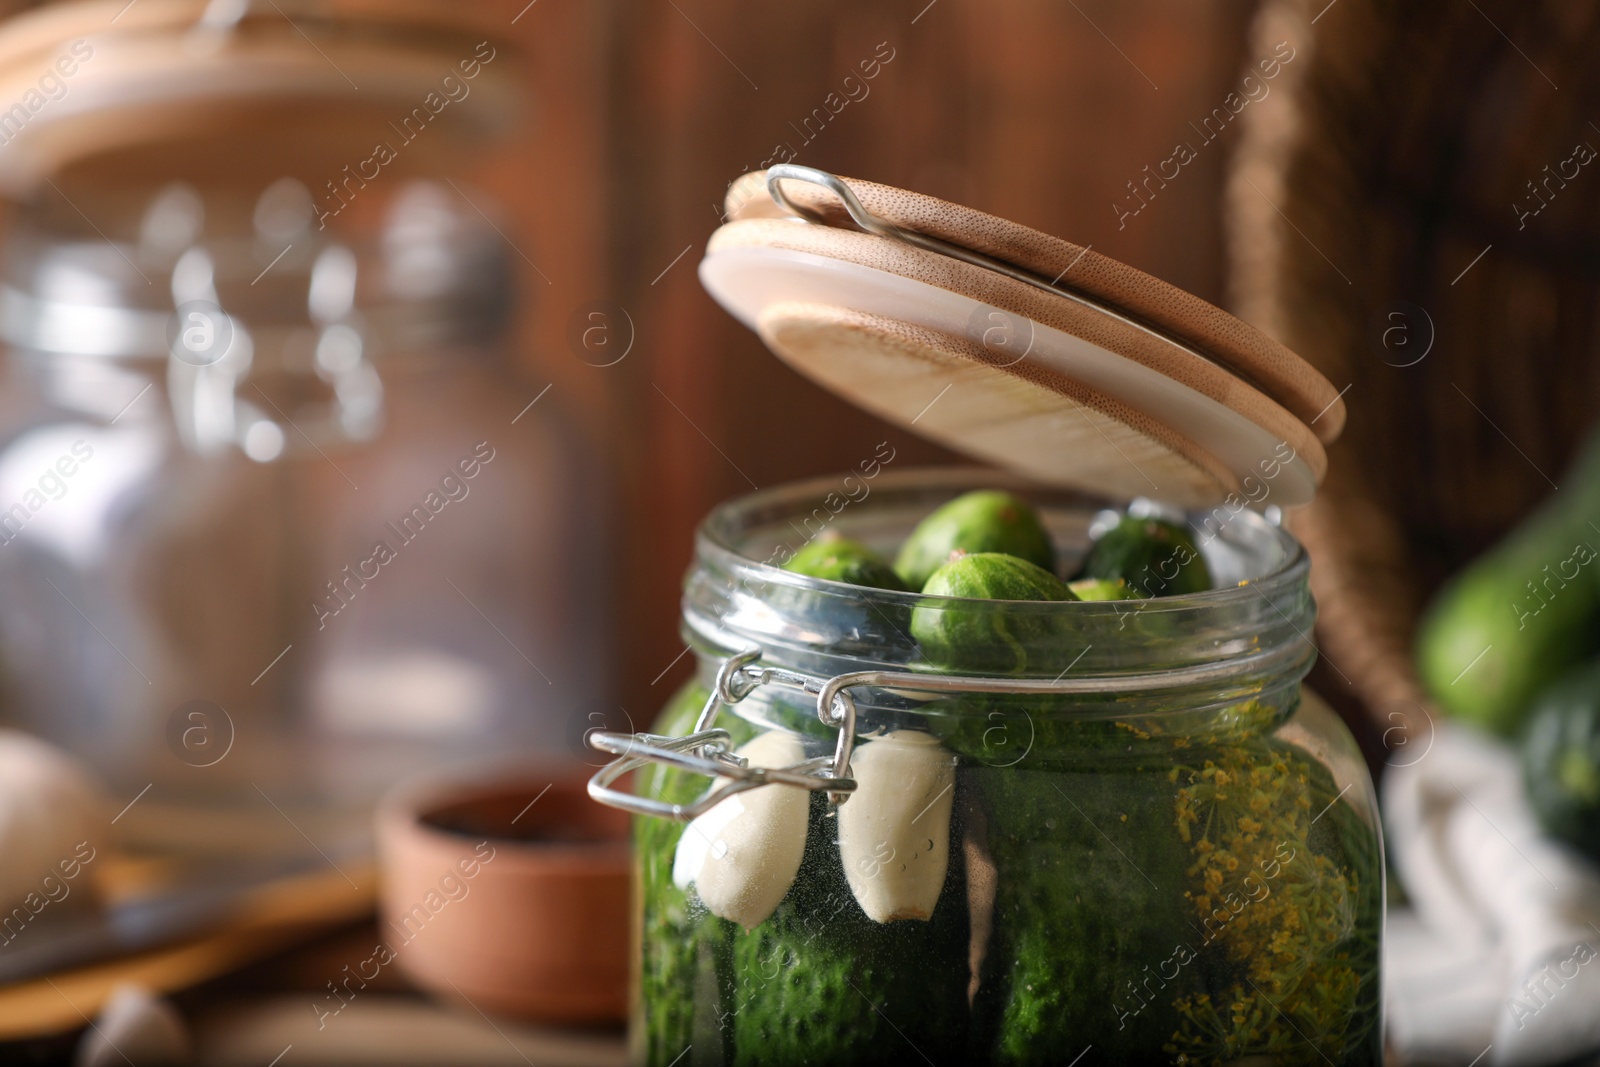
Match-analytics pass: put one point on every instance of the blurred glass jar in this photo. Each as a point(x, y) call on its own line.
point(274, 503)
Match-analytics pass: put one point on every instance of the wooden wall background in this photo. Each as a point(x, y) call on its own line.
point(640, 114)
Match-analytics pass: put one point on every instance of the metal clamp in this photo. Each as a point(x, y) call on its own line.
point(881, 227)
point(884, 228)
point(705, 751)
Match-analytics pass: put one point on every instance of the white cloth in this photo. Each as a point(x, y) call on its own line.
point(1498, 958)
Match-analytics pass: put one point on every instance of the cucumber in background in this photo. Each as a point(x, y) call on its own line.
point(1561, 759)
point(1520, 616)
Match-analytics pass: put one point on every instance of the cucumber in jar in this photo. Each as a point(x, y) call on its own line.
point(1088, 875)
point(817, 981)
point(1083, 857)
point(821, 983)
point(1155, 557)
point(986, 520)
point(683, 946)
point(852, 622)
point(956, 637)
point(1286, 884)
point(840, 559)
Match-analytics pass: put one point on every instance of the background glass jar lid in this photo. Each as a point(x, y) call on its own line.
point(215, 89)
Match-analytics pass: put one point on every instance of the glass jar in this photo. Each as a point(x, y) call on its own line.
point(1134, 836)
point(275, 500)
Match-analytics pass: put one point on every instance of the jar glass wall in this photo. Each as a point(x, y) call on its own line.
point(1177, 861)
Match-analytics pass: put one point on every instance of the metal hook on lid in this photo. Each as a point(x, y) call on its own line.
point(225, 15)
point(875, 225)
point(871, 223)
point(881, 227)
point(831, 182)
point(219, 20)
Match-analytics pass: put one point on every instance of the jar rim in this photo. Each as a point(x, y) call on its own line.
point(714, 540)
point(737, 597)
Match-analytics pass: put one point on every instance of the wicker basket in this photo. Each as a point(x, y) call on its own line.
point(1391, 218)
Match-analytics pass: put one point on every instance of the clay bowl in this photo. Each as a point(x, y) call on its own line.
point(510, 889)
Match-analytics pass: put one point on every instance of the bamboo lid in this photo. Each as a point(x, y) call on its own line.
point(1228, 341)
point(944, 320)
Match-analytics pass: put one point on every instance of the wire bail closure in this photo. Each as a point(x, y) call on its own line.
point(705, 750)
point(882, 227)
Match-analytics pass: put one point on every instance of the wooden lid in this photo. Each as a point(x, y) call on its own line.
point(163, 89)
point(1241, 348)
point(988, 360)
point(1032, 420)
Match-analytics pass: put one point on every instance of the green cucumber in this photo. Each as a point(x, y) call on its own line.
point(1089, 903)
point(1520, 616)
point(1506, 627)
point(1561, 759)
point(983, 521)
point(1155, 558)
point(1102, 589)
point(985, 639)
point(683, 947)
point(821, 983)
point(840, 559)
point(854, 621)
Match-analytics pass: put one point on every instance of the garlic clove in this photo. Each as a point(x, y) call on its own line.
point(894, 831)
point(744, 854)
